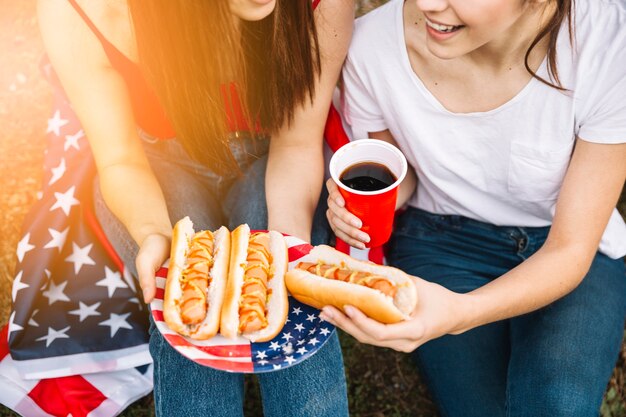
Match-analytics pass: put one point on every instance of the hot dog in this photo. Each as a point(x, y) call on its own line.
point(196, 280)
point(383, 293)
point(255, 304)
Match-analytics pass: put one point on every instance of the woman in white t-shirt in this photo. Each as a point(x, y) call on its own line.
point(513, 117)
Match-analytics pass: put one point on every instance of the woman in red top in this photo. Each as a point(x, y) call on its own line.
point(220, 76)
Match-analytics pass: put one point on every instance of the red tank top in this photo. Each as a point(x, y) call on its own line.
point(148, 112)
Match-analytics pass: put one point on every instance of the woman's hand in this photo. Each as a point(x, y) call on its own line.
point(438, 312)
point(154, 250)
point(345, 224)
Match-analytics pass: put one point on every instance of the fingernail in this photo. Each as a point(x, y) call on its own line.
point(349, 310)
point(365, 237)
point(357, 223)
point(339, 202)
point(145, 296)
point(326, 315)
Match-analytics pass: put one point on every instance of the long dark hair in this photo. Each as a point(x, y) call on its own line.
point(564, 10)
point(190, 49)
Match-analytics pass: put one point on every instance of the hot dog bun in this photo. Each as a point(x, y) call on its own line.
point(276, 306)
point(186, 242)
point(318, 291)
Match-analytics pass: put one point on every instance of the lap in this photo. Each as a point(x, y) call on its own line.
point(559, 358)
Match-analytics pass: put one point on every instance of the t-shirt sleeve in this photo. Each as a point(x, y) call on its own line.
point(360, 108)
point(603, 98)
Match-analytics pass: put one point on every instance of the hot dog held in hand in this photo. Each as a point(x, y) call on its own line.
point(255, 304)
point(196, 280)
point(383, 293)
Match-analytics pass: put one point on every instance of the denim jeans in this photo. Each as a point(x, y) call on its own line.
point(316, 387)
point(553, 362)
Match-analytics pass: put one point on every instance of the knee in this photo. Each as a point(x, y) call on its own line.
point(559, 399)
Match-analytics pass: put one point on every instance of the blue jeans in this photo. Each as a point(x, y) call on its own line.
point(553, 362)
point(316, 387)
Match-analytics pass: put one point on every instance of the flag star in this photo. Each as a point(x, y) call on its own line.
point(299, 327)
point(85, 311)
point(312, 331)
point(24, 246)
point(116, 322)
point(288, 349)
point(32, 321)
point(53, 335)
point(274, 345)
point(17, 285)
point(324, 331)
point(80, 257)
point(288, 320)
point(263, 362)
point(58, 172)
point(276, 367)
point(129, 279)
point(310, 317)
point(72, 140)
point(58, 239)
point(289, 359)
point(12, 326)
point(65, 200)
point(300, 342)
point(55, 293)
point(313, 341)
point(296, 311)
point(261, 354)
point(302, 350)
point(287, 336)
point(56, 123)
point(112, 281)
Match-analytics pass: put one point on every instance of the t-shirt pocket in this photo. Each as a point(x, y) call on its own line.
point(537, 175)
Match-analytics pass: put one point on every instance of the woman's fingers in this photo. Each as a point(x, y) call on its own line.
point(396, 336)
point(345, 224)
point(152, 253)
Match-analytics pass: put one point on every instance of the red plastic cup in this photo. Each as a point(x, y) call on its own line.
point(375, 209)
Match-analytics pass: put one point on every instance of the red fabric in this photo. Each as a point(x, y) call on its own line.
point(147, 109)
point(68, 395)
point(4, 346)
point(334, 133)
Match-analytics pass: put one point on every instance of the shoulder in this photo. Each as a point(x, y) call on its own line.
point(599, 26)
point(61, 24)
point(376, 33)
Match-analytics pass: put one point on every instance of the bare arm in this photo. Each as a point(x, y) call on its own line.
point(563, 261)
point(100, 98)
point(551, 273)
point(295, 168)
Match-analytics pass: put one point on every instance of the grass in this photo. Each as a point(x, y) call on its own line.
point(381, 382)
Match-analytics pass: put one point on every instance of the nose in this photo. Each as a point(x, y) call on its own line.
point(431, 5)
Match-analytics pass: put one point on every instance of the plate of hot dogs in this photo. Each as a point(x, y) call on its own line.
point(248, 301)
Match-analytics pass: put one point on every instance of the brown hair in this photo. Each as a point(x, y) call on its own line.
point(564, 10)
point(189, 50)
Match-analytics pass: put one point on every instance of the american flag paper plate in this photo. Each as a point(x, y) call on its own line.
point(303, 335)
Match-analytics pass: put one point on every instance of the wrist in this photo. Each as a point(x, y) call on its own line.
point(465, 310)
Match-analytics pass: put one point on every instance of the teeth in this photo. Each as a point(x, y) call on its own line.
point(441, 28)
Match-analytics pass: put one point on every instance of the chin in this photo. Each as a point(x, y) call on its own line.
point(255, 10)
point(444, 52)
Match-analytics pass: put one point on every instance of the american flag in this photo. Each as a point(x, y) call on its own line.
point(77, 321)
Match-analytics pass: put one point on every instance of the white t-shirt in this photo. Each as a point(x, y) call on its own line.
point(504, 166)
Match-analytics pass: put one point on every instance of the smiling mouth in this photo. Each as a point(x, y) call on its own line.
point(442, 28)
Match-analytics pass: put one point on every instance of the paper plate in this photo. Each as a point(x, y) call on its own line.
point(303, 335)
